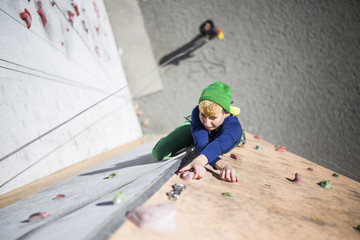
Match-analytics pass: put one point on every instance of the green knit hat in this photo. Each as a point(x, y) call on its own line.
point(218, 92)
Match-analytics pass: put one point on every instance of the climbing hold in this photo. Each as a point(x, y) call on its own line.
point(145, 122)
point(310, 169)
point(75, 8)
point(228, 195)
point(59, 196)
point(243, 139)
point(97, 51)
point(257, 137)
point(336, 175)
point(114, 174)
point(119, 197)
point(187, 175)
point(260, 148)
point(358, 228)
point(41, 13)
point(37, 216)
point(159, 217)
point(26, 16)
point(96, 9)
point(281, 148)
point(71, 17)
point(325, 184)
point(62, 43)
point(84, 25)
point(236, 157)
point(52, 3)
point(297, 178)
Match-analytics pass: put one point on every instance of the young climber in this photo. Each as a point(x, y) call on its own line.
point(212, 129)
point(209, 31)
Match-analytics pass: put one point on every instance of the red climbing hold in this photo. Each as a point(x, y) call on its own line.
point(60, 196)
point(71, 17)
point(236, 157)
point(84, 25)
point(310, 169)
point(76, 8)
point(281, 149)
point(96, 9)
point(38, 215)
point(41, 13)
point(26, 17)
point(52, 3)
point(62, 43)
point(97, 51)
point(257, 137)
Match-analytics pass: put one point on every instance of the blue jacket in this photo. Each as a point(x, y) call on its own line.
point(212, 144)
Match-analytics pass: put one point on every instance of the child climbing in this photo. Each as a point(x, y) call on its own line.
point(213, 130)
point(209, 31)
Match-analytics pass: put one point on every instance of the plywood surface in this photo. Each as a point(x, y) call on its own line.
point(266, 204)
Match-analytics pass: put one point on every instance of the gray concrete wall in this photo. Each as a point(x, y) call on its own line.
point(51, 74)
point(293, 66)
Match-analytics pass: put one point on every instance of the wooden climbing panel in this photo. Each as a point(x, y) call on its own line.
point(266, 205)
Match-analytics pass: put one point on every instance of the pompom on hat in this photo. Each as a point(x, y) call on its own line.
point(219, 93)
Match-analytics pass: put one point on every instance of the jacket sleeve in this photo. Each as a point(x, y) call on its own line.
point(229, 136)
point(198, 131)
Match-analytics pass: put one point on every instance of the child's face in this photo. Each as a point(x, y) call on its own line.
point(211, 123)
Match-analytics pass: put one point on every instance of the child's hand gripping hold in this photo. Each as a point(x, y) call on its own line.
point(198, 165)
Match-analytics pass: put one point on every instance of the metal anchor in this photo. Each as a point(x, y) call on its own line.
point(175, 193)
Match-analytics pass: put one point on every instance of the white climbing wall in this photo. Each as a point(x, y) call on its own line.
point(51, 74)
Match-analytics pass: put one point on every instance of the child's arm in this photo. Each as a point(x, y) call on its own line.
point(226, 171)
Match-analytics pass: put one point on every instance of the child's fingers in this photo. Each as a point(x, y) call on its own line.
point(187, 167)
point(228, 176)
point(199, 172)
point(234, 178)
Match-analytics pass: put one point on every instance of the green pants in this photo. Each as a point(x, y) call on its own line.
point(176, 140)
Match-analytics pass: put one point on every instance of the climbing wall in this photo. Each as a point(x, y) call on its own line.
point(265, 204)
point(59, 67)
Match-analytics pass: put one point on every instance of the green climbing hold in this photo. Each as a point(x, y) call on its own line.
point(228, 195)
point(335, 175)
point(325, 184)
point(358, 228)
point(237, 173)
point(119, 197)
point(114, 174)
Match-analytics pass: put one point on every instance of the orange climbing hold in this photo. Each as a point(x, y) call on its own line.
point(41, 13)
point(26, 16)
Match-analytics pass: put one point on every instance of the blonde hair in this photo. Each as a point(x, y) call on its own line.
point(210, 108)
